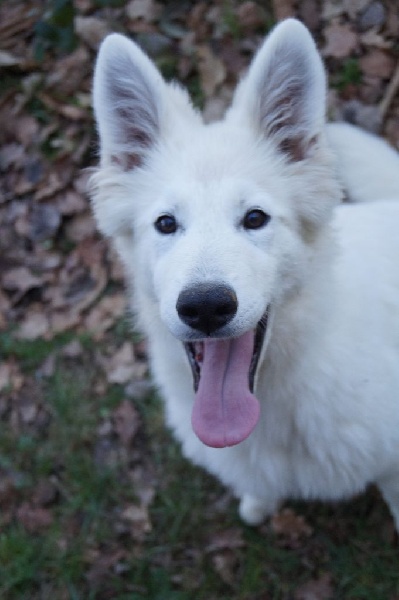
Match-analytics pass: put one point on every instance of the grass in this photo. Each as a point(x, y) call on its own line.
point(85, 553)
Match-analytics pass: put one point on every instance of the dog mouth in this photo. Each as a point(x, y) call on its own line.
point(225, 409)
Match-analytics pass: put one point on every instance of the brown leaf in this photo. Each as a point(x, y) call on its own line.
point(148, 10)
point(47, 368)
point(283, 9)
point(34, 325)
point(45, 220)
point(33, 518)
point(332, 9)
point(120, 367)
point(91, 30)
point(228, 538)
point(73, 349)
point(68, 72)
point(354, 7)
point(105, 313)
point(126, 422)
point(80, 227)
point(226, 565)
point(45, 493)
point(212, 70)
point(372, 38)
point(63, 320)
point(377, 63)
point(53, 184)
point(9, 60)
point(71, 202)
point(316, 589)
point(20, 280)
point(139, 520)
point(26, 129)
point(341, 40)
point(101, 565)
point(10, 376)
point(288, 524)
point(250, 15)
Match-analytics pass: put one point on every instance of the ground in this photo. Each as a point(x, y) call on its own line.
point(96, 501)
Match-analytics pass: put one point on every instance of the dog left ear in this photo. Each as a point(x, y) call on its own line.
point(285, 90)
point(127, 99)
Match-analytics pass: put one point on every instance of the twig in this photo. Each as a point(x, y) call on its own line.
point(389, 94)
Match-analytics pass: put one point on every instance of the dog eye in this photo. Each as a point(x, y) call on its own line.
point(255, 219)
point(166, 224)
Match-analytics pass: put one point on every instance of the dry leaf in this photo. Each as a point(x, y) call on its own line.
point(47, 368)
point(126, 422)
point(105, 313)
point(71, 203)
point(81, 227)
point(139, 520)
point(35, 325)
point(73, 349)
point(20, 279)
point(332, 9)
point(316, 589)
point(212, 70)
point(226, 565)
point(34, 518)
point(68, 72)
point(9, 60)
point(373, 15)
point(377, 63)
point(226, 539)
point(283, 9)
point(63, 320)
point(354, 7)
point(288, 524)
point(91, 30)
point(341, 40)
point(5, 375)
point(148, 10)
point(45, 221)
point(10, 376)
point(26, 129)
point(120, 368)
point(45, 493)
point(372, 38)
point(250, 15)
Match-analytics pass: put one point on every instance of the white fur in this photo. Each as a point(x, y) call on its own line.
point(367, 165)
point(328, 378)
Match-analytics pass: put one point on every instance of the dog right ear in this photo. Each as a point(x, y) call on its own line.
point(284, 93)
point(127, 99)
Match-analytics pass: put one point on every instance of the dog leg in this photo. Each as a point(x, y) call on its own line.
point(253, 510)
point(389, 487)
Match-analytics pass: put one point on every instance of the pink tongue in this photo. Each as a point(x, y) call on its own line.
point(225, 412)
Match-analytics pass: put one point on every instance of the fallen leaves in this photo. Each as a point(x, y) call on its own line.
point(126, 422)
point(377, 63)
point(212, 70)
point(57, 275)
point(34, 518)
point(290, 528)
point(316, 589)
point(341, 40)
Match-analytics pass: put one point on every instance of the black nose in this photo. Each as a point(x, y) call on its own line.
point(207, 306)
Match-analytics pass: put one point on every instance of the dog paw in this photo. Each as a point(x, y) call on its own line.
point(254, 511)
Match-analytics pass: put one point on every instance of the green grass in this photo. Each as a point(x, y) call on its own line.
point(174, 560)
point(350, 74)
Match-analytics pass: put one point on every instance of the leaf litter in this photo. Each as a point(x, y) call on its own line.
point(58, 278)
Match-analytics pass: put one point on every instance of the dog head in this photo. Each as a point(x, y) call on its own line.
point(216, 223)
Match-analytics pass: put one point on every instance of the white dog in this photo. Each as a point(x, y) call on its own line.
point(254, 284)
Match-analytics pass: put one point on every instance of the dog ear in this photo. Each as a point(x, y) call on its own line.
point(127, 98)
point(285, 90)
